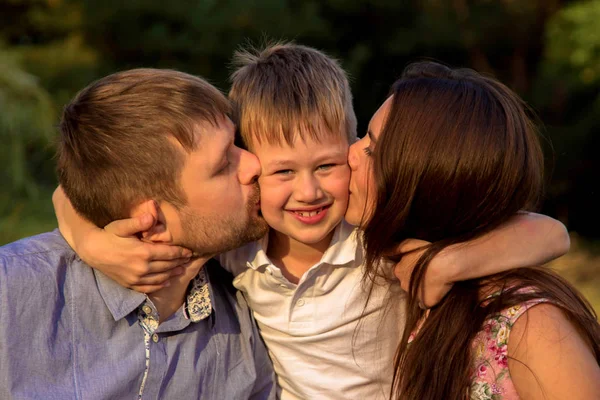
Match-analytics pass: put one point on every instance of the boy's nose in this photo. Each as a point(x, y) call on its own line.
point(308, 190)
point(249, 168)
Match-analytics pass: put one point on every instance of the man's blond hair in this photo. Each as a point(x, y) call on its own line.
point(285, 91)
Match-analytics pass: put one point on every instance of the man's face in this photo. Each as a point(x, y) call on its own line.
point(304, 188)
point(223, 199)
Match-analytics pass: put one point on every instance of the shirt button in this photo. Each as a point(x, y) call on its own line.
point(282, 286)
point(155, 338)
point(147, 309)
point(300, 303)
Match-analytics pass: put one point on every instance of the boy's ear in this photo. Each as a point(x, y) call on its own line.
point(159, 231)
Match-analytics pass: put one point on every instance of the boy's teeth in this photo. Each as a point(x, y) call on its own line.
point(308, 213)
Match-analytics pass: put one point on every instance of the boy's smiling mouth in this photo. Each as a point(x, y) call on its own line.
point(310, 215)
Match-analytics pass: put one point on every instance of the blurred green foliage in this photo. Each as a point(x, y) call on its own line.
point(546, 50)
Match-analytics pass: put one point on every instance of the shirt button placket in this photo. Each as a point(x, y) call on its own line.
point(159, 363)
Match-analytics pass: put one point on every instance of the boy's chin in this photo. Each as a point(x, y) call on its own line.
point(315, 237)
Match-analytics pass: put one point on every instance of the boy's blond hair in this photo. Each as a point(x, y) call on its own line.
point(287, 90)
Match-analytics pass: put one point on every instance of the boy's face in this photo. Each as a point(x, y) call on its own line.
point(304, 188)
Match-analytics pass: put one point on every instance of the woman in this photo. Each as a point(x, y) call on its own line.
point(448, 157)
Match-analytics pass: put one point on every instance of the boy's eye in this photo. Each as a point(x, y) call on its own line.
point(284, 172)
point(368, 151)
point(325, 167)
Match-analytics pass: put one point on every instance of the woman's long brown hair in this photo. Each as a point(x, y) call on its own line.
point(458, 156)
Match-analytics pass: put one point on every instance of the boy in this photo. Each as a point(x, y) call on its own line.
point(303, 280)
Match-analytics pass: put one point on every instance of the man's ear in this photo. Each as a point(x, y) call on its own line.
point(159, 231)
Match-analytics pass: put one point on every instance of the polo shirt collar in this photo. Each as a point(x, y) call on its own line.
point(343, 246)
point(257, 256)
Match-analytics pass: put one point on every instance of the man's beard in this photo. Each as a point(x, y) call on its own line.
point(216, 233)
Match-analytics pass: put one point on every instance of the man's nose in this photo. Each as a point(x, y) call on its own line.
point(249, 168)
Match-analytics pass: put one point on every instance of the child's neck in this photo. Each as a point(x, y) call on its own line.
point(294, 258)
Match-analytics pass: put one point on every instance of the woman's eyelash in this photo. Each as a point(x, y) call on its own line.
point(367, 151)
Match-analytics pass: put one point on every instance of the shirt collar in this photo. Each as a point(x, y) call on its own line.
point(198, 305)
point(341, 251)
point(257, 255)
point(120, 301)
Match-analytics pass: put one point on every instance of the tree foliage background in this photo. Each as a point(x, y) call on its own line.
point(546, 50)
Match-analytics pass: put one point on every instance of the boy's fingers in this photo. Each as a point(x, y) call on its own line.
point(147, 288)
point(171, 267)
point(165, 252)
point(411, 244)
point(130, 226)
point(158, 279)
point(433, 296)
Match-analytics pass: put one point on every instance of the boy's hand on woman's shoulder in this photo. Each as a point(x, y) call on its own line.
point(436, 283)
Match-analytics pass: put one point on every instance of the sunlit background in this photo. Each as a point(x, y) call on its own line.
point(546, 50)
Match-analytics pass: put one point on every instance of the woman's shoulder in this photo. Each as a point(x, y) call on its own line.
point(490, 375)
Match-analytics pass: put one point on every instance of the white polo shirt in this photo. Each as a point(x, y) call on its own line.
point(325, 341)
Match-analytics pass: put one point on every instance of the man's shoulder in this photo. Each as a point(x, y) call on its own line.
point(42, 243)
point(45, 248)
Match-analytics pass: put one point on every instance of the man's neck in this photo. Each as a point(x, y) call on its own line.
point(294, 258)
point(169, 299)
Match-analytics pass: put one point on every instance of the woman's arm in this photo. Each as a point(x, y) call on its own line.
point(117, 251)
point(549, 359)
point(527, 239)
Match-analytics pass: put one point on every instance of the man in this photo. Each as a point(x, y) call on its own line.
point(139, 142)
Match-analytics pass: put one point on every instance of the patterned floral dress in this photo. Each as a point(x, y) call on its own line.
point(490, 377)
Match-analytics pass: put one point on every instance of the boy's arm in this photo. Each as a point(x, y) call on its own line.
point(527, 239)
point(117, 251)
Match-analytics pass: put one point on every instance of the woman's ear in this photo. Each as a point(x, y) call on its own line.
point(159, 231)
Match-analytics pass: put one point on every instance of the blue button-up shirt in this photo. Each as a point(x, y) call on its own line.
point(69, 332)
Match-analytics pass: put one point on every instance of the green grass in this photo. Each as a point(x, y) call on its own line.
point(581, 267)
point(25, 217)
